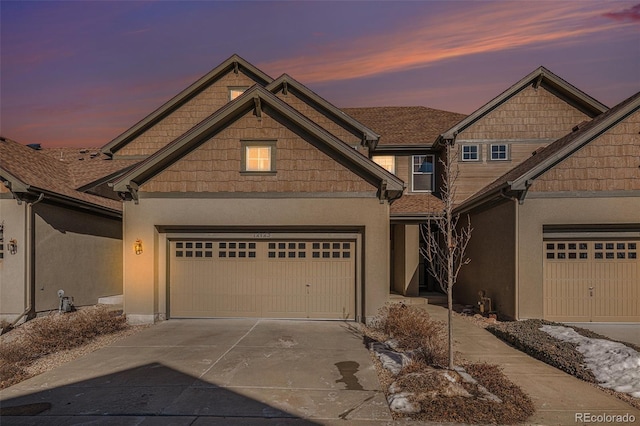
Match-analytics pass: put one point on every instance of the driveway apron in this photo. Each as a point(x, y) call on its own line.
point(217, 371)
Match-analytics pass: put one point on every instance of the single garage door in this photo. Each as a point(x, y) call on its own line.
point(592, 280)
point(292, 278)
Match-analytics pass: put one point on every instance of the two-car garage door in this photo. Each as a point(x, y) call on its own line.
point(592, 280)
point(270, 278)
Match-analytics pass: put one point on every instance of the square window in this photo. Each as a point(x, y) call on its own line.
point(316, 254)
point(257, 158)
point(336, 246)
point(189, 254)
point(326, 246)
point(551, 255)
point(620, 255)
point(272, 246)
point(222, 245)
point(470, 153)
point(422, 173)
point(633, 255)
point(572, 246)
point(242, 245)
point(252, 245)
point(208, 245)
point(598, 255)
point(282, 246)
point(199, 245)
point(252, 254)
point(292, 246)
point(583, 246)
point(346, 246)
point(561, 256)
point(631, 246)
point(620, 246)
point(292, 254)
point(272, 254)
point(179, 254)
point(572, 255)
point(598, 246)
point(336, 254)
point(325, 254)
point(234, 92)
point(198, 253)
point(302, 254)
point(302, 246)
point(346, 254)
point(222, 254)
point(282, 254)
point(388, 162)
point(242, 254)
point(316, 246)
point(208, 254)
point(189, 245)
point(232, 245)
point(610, 255)
point(583, 256)
point(550, 246)
point(609, 246)
point(179, 245)
point(561, 246)
point(232, 254)
point(499, 152)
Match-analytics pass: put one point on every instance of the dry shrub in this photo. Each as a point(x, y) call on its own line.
point(414, 332)
point(57, 332)
point(10, 374)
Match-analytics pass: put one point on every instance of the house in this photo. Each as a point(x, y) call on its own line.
point(557, 237)
point(52, 235)
point(256, 199)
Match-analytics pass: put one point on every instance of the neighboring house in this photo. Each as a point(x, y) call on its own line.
point(54, 236)
point(263, 204)
point(558, 236)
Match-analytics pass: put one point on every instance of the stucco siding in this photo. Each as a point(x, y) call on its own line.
point(493, 265)
point(537, 212)
point(13, 295)
point(145, 277)
point(186, 116)
point(215, 166)
point(77, 252)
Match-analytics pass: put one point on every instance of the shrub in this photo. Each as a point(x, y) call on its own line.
point(413, 331)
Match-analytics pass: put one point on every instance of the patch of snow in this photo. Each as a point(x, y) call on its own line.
point(614, 365)
point(391, 361)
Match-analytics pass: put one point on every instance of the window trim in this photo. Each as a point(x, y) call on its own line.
point(478, 153)
point(387, 156)
point(236, 88)
point(244, 144)
point(507, 152)
point(413, 173)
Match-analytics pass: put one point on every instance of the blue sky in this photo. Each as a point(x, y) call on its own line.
point(80, 73)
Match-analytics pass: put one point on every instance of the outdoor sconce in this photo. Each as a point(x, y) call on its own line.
point(137, 247)
point(12, 246)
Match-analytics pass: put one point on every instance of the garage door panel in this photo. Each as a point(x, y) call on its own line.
point(272, 279)
point(591, 280)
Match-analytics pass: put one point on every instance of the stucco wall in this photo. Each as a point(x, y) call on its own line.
point(536, 212)
point(145, 274)
point(492, 254)
point(12, 268)
point(406, 259)
point(77, 252)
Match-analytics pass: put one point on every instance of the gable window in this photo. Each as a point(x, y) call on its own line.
point(470, 152)
point(422, 173)
point(499, 152)
point(386, 161)
point(258, 156)
point(234, 92)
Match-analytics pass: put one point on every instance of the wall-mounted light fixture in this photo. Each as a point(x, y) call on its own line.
point(137, 247)
point(12, 246)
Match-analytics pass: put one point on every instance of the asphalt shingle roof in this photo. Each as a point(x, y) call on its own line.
point(412, 125)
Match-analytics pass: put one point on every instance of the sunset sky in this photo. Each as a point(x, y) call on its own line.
point(80, 73)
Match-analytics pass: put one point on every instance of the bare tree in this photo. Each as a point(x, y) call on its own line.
point(445, 248)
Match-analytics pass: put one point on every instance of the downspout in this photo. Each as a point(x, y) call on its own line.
point(29, 276)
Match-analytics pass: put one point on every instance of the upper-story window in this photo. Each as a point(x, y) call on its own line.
point(386, 161)
point(422, 173)
point(500, 152)
point(234, 92)
point(470, 152)
point(259, 156)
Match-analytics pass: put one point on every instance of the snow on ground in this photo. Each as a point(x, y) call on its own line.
point(614, 365)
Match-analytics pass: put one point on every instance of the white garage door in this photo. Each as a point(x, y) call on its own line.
point(592, 280)
point(292, 278)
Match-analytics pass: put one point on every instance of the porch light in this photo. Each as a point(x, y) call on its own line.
point(12, 246)
point(137, 247)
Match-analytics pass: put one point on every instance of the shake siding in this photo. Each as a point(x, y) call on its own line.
point(186, 116)
point(608, 163)
point(215, 165)
point(530, 120)
point(530, 114)
point(322, 120)
point(4, 189)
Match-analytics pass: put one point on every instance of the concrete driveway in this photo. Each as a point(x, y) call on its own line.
point(622, 331)
point(223, 371)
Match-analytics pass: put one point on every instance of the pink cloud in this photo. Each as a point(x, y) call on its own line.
point(631, 14)
point(483, 28)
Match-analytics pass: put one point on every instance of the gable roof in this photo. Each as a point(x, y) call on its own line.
point(234, 63)
point(413, 125)
point(519, 178)
point(27, 171)
point(286, 83)
point(539, 77)
point(260, 99)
